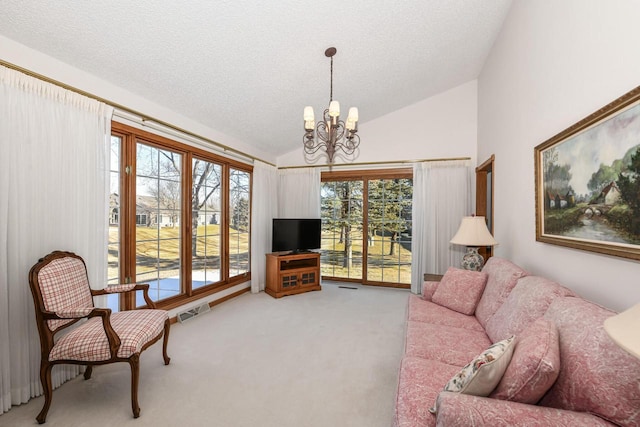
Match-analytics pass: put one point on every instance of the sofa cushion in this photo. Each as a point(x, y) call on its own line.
point(455, 409)
point(596, 375)
point(534, 366)
point(503, 276)
point(528, 301)
point(447, 344)
point(480, 376)
point(418, 386)
point(460, 290)
point(428, 288)
point(420, 310)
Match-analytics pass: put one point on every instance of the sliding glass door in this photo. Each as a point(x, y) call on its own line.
point(366, 233)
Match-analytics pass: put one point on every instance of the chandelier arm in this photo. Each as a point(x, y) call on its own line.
point(313, 150)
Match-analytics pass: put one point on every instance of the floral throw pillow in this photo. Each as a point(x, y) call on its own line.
point(484, 372)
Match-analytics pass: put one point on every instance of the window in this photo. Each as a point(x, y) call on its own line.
point(179, 219)
point(366, 233)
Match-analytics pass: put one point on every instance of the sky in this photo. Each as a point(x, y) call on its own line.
point(599, 144)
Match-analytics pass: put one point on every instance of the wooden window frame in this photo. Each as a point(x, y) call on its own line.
point(130, 136)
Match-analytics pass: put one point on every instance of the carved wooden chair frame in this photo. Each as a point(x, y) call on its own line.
point(73, 316)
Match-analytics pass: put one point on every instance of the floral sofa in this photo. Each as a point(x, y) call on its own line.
point(560, 368)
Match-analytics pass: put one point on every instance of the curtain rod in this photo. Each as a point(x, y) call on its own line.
point(142, 116)
point(396, 162)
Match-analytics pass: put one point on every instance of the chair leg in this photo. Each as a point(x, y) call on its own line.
point(134, 362)
point(88, 371)
point(165, 340)
point(45, 378)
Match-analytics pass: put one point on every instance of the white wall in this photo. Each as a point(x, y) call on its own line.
point(442, 126)
point(553, 64)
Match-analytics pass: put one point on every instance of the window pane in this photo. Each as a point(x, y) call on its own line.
point(113, 250)
point(158, 220)
point(341, 211)
point(239, 221)
point(389, 230)
point(206, 233)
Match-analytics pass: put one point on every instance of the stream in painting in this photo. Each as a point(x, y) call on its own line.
point(594, 228)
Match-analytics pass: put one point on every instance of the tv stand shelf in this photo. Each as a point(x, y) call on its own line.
point(292, 273)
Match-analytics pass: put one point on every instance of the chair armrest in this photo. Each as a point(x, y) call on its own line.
point(74, 313)
point(89, 312)
point(112, 337)
point(144, 287)
point(115, 289)
point(456, 409)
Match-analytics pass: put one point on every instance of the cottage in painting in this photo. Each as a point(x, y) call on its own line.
point(610, 195)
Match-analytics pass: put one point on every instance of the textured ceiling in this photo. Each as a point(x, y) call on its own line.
point(247, 68)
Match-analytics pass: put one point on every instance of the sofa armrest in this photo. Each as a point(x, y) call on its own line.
point(455, 409)
point(428, 288)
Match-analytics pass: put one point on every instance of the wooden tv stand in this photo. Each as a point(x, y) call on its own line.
point(290, 274)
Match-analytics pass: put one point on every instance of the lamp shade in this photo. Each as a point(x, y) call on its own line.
point(473, 231)
point(308, 115)
point(334, 109)
point(353, 114)
point(624, 329)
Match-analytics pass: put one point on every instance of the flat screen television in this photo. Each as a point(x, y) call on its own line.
point(296, 234)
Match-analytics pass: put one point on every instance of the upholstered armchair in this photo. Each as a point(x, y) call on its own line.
point(62, 297)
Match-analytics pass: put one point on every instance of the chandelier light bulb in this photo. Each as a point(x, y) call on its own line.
point(334, 108)
point(353, 114)
point(309, 116)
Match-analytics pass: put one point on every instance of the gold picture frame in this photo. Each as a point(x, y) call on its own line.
point(587, 182)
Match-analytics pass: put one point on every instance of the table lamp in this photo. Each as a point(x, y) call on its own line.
point(624, 329)
point(473, 233)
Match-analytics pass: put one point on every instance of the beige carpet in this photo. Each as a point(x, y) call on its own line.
point(324, 359)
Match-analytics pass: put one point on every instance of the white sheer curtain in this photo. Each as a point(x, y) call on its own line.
point(299, 193)
point(441, 197)
point(53, 195)
point(265, 207)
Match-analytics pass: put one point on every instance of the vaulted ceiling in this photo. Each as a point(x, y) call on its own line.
point(247, 68)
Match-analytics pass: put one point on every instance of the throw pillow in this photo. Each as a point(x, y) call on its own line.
point(483, 373)
point(534, 366)
point(460, 290)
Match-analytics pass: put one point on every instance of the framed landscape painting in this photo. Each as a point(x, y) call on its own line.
point(588, 182)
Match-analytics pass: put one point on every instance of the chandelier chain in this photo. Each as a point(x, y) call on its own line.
point(331, 86)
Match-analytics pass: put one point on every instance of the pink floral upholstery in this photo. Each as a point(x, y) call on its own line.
point(454, 346)
point(596, 375)
point(64, 285)
point(597, 383)
point(534, 366)
point(460, 290)
point(419, 384)
point(503, 276)
point(425, 311)
point(528, 301)
point(89, 342)
point(428, 288)
point(464, 410)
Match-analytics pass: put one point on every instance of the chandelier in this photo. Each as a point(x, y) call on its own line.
point(331, 133)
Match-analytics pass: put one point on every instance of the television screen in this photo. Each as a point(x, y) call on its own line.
point(296, 234)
